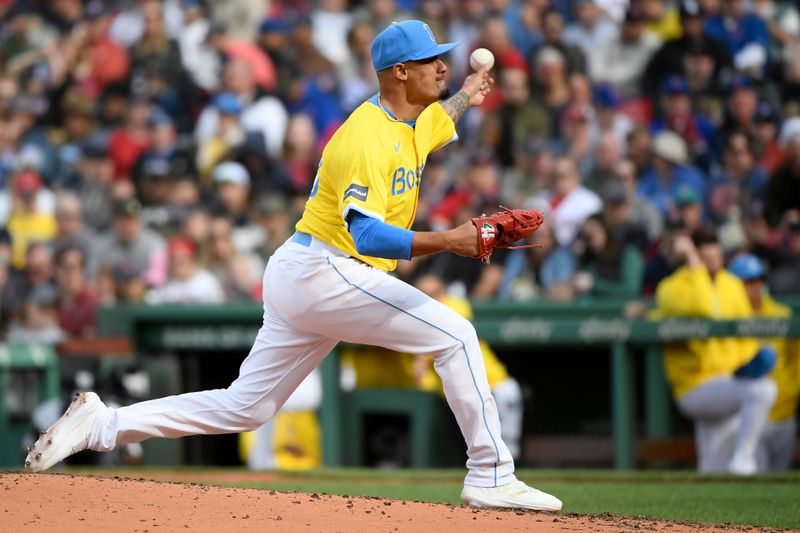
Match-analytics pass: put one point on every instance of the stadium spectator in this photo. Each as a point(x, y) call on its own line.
point(719, 383)
point(782, 195)
point(670, 171)
point(518, 119)
point(606, 266)
point(544, 272)
point(131, 244)
point(670, 58)
point(27, 222)
point(591, 29)
point(570, 202)
point(76, 300)
point(188, 283)
point(738, 185)
point(70, 227)
point(552, 31)
point(620, 61)
point(776, 448)
point(744, 33)
point(261, 113)
point(39, 320)
point(698, 133)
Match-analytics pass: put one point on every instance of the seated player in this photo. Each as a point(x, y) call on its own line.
point(776, 448)
point(720, 382)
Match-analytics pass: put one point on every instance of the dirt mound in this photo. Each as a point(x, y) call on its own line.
point(67, 503)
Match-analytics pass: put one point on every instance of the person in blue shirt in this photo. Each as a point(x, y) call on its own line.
point(670, 170)
point(676, 106)
point(744, 33)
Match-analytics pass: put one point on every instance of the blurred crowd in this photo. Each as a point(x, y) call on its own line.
point(160, 151)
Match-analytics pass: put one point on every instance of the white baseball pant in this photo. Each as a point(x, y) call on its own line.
point(314, 297)
point(729, 415)
point(776, 449)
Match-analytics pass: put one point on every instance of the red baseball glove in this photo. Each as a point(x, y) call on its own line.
point(503, 229)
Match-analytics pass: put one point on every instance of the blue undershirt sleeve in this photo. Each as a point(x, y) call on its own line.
point(379, 239)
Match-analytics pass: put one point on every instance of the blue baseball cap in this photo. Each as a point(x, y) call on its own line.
point(410, 40)
point(674, 84)
point(747, 267)
point(227, 103)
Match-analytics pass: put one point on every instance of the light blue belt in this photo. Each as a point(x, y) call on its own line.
point(302, 238)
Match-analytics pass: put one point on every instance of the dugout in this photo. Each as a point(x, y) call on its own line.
point(612, 363)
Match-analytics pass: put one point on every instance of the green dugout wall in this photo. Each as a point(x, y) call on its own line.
point(207, 329)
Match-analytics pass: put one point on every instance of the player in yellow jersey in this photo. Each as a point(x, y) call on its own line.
point(329, 283)
point(776, 448)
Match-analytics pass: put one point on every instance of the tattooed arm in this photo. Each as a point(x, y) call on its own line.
point(456, 105)
point(476, 87)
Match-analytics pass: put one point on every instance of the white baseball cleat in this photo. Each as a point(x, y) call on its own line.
point(69, 435)
point(515, 495)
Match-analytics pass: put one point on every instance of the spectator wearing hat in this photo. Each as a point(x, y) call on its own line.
point(632, 218)
point(129, 287)
point(719, 383)
point(737, 186)
point(229, 135)
point(744, 33)
point(188, 283)
point(275, 40)
point(670, 170)
point(518, 118)
point(607, 116)
point(591, 29)
point(776, 448)
point(275, 219)
point(769, 153)
point(698, 132)
point(131, 243)
point(27, 223)
point(552, 32)
point(669, 59)
point(782, 194)
point(260, 113)
point(741, 104)
point(233, 187)
point(621, 60)
point(199, 59)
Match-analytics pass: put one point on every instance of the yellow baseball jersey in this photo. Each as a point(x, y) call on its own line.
point(373, 165)
point(786, 373)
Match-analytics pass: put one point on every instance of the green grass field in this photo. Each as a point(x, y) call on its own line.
point(772, 501)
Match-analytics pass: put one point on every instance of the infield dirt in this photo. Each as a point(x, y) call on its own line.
point(60, 503)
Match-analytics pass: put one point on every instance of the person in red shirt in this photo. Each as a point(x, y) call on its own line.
point(76, 301)
point(127, 144)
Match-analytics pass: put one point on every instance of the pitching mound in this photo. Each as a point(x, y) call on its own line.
point(66, 503)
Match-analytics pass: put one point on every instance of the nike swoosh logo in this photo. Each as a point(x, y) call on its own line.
point(397, 147)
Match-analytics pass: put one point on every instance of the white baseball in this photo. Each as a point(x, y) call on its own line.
point(481, 58)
